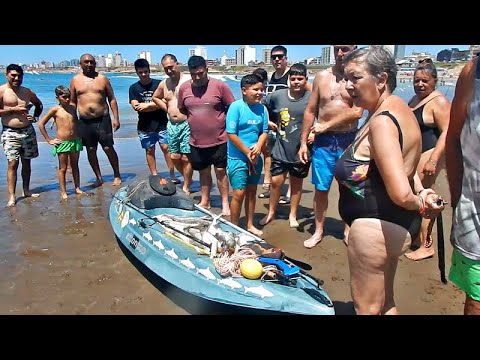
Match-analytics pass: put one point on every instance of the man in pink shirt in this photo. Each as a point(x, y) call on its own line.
point(205, 102)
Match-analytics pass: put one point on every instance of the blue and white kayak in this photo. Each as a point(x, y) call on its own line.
point(158, 228)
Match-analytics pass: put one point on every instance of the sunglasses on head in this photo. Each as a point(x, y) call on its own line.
point(278, 56)
point(427, 60)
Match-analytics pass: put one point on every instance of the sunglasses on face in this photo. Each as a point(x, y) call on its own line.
point(278, 56)
point(425, 61)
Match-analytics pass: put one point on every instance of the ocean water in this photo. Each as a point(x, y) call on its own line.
point(44, 85)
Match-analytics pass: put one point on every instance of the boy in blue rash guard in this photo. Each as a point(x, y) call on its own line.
point(247, 127)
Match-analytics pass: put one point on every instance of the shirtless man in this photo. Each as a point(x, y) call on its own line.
point(90, 91)
point(334, 132)
point(18, 138)
point(165, 96)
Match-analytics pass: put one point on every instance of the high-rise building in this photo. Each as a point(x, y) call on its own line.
point(327, 55)
point(199, 51)
point(147, 55)
point(266, 56)
point(245, 54)
point(117, 59)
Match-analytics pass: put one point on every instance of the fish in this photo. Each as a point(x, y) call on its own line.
point(171, 253)
point(230, 282)
point(159, 245)
point(258, 290)
point(125, 219)
point(147, 236)
point(207, 273)
point(132, 221)
point(186, 262)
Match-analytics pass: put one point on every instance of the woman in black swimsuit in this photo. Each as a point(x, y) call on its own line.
point(432, 110)
point(376, 174)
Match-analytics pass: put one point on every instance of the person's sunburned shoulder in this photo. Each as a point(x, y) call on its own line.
point(323, 74)
point(440, 100)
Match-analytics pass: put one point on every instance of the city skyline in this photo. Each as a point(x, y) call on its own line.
point(31, 54)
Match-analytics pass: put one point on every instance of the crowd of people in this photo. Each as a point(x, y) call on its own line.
point(286, 127)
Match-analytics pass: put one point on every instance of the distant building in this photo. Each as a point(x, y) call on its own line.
point(199, 51)
point(245, 55)
point(266, 56)
point(226, 61)
point(327, 55)
point(147, 55)
point(117, 59)
point(398, 51)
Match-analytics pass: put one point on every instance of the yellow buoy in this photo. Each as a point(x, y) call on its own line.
point(251, 269)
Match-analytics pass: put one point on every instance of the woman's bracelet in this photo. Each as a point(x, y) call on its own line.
point(418, 193)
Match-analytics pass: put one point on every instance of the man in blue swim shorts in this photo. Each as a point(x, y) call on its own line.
point(334, 131)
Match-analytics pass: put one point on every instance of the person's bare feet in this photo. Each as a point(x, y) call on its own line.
point(313, 241)
point(186, 191)
point(97, 183)
point(255, 231)
point(79, 192)
point(293, 223)
point(226, 210)
point(420, 254)
point(266, 219)
point(117, 181)
point(12, 201)
point(63, 196)
point(205, 206)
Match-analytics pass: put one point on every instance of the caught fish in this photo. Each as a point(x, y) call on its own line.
point(147, 236)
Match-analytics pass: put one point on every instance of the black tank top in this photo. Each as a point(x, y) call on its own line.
point(363, 193)
point(430, 134)
point(277, 84)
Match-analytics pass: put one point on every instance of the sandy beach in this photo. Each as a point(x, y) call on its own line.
point(63, 258)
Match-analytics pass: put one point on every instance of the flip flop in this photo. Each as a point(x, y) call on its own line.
point(264, 195)
point(175, 181)
point(284, 200)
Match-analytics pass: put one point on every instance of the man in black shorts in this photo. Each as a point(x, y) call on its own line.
point(90, 92)
point(205, 102)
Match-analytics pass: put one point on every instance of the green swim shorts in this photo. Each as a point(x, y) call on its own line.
point(74, 145)
point(465, 273)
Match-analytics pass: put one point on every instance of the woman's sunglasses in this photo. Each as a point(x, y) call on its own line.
point(426, 60)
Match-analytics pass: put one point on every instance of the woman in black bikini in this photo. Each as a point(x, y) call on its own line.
point(376, 174)
point(432, 110)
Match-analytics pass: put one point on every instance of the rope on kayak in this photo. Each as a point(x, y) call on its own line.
point(229, 265)
point(130, 192)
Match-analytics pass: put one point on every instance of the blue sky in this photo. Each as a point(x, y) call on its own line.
point(27, 54)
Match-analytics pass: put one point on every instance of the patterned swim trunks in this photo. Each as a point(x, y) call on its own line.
point(179, 137)
point(19, 143)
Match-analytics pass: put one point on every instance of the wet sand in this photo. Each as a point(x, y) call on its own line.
point(63, 258)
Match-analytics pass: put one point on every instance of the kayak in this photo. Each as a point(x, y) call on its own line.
point(194, 249)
